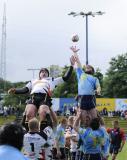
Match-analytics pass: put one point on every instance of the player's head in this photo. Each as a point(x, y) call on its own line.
point(95, 124)
point(12, 134)
point(87, 121)
point(116, 124)
point(71, 120)
point(43, 73)
point(63, 122)
point(89, 69)
point(33, 125)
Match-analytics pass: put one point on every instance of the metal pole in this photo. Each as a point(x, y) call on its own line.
point(86, 39)
point(83, 14)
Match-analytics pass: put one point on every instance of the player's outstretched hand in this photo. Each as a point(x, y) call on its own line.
point(74, 49)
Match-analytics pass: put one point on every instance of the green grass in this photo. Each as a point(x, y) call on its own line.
point(122, 123)
point(7, 119)
point(122, 155)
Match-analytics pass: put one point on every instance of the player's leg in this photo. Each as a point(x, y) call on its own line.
point(30, 112)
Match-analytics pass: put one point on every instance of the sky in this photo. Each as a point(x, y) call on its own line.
point(39, 34)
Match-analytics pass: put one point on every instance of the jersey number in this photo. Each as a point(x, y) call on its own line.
point(32, 147)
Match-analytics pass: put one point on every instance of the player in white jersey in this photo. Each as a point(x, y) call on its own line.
point(35, 142)
point(40, 91)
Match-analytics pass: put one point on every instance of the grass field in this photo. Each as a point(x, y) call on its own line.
point(6, 119)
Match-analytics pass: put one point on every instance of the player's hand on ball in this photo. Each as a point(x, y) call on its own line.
point(74, 49)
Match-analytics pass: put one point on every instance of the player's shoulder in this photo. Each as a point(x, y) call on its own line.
point(49, 78)
point(122, 131)
point(109, 130)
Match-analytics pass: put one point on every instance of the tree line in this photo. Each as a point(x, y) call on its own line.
point(113, 83)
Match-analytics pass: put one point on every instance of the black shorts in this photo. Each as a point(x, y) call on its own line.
point(114, 149)
point(87, 102)
point(96, 156)
point(63, 153)
point(39, 99)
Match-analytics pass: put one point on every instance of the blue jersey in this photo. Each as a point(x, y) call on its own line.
point(11, 153)
point(106, 144)
point(87, 84)
point(60, 137)
point(80, 134)
point(92, 141)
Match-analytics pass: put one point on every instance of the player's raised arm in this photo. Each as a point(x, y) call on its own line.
point(77, 61)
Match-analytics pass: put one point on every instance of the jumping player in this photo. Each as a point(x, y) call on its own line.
point(40, 91)
point(87, 85)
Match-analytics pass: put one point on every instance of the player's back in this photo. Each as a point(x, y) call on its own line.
point(33, 145)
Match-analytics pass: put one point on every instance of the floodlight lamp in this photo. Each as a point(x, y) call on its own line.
point(72, 13)
point(82, 13)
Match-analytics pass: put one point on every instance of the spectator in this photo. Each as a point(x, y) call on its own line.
point(11, 142)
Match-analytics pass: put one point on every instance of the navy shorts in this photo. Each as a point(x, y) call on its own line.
point(63, 153)
point(87, 102)
point(92, 156)
point(114, 149)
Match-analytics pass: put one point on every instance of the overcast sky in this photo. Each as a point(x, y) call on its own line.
point(39, 33)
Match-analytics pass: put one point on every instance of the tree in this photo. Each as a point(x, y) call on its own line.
point(70, 88)
point(15, 100)
point(115, 82)
point(67, 89)
point(99, 75)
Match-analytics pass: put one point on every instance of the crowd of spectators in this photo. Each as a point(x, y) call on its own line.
point(118, 113)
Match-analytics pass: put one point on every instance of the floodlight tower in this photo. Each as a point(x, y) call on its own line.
point(3, 48)
point(86, 14)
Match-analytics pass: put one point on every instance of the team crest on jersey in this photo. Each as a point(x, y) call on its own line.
point(48, 131)
point(83, 76)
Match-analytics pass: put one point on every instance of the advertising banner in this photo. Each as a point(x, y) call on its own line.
point(108, 103)
point(121, 104)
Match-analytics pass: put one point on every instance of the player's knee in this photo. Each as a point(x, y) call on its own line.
point(30, 115)
point(43, 110)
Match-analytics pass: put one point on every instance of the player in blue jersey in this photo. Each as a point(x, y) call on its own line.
point(87, 86)
point(106, 145)
point(59, 150)
point(93, 141)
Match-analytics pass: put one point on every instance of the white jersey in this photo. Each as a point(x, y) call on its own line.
point(44, 85)
point(34, 143)
point(50, 142)
point(73, 147)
